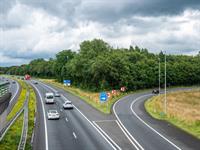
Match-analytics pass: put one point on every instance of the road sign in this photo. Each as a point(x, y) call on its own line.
point(103, 97)
point(67, 82)
point(123, 89)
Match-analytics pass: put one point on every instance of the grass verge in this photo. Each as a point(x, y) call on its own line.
point(91, 98)
point(182, 110)
point(20, 102)
point(12, 137)
point(31, 116)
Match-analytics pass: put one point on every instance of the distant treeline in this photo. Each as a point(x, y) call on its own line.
point(98, 66)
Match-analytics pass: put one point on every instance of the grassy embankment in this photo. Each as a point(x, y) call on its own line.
point(183, 110)
point(31, 116)
point(20, 102)
point(12, 137)
point(91, 98)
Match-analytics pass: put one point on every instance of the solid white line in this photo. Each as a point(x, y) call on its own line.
point(74, 135)
point(92, 124)
point(84, 117)
point(126, 132)
point(131, 107)
point(44, 117)
point(15, 92)
point(106, 135)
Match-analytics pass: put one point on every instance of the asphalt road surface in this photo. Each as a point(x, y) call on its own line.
point(146, 132)
point(72, 131)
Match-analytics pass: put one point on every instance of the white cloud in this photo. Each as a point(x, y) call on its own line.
point(41, 34)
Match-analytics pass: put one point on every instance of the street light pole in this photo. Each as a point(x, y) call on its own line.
point(165, 102)
point(159, 74)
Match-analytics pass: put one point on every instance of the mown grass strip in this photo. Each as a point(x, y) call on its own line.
point(182, 110)
point(20, 102)
point(31, 115)
point(12, 137)
point(91, 98)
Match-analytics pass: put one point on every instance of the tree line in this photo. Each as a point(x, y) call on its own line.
point(98, 66)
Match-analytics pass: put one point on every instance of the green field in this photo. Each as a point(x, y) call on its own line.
point(182, 110)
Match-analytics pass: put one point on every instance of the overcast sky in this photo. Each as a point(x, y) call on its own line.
point(32, 29)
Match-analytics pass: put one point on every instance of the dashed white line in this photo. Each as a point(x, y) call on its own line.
point(74, 135)
point(66, 119)
point(131, 107)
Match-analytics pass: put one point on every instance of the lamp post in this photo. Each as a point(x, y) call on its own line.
point(165, 101)
point(159, 73)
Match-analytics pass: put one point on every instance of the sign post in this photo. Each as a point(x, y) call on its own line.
point(67, 82)
point(103, 97)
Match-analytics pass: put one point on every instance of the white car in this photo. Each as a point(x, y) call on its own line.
point(57, 94)
point(49, 98)
point(68, 105)
point(53, 114)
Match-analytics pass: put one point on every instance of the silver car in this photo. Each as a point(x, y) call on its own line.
point(53, 114)
point(68, 105)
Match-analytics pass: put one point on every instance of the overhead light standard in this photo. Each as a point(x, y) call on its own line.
point(159, 73)
point(165, 101)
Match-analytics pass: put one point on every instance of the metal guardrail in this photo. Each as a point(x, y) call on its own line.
point(4, 88)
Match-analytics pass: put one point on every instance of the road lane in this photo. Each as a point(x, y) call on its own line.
point(162, 135)
point(62, 133)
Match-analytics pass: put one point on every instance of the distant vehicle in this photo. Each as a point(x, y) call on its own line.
point(49, 98)
point(57, 94)
point(13, 82)
point(68, 105)
point(22, 78)
point(27, 77)
point(35, 82)
point(155, 91)
point(53, 114)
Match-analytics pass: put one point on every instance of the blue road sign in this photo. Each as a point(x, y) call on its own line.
point(103, 96)
point(67, 82)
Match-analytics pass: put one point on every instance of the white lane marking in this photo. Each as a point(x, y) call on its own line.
point(15, 93)
point(106, 135)
point(44, 117)
point(131, 107)
point(126, 132)
point(104, 120)
point(74, 135)
point(92, 124)
point(66, 119)
point(84, 117)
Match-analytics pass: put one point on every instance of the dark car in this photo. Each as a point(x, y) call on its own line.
point(155, 91)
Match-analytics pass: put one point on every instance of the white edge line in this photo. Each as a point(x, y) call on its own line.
point(106, 135)
point(2, 136)
point(126, 132)
point(44, 116)
point(131, 107)
point(15, 93)
point(22, 131)
point(83, 116)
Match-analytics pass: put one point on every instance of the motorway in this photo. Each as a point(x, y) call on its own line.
point(72, 131)
point(146, 132)
point(129, 126)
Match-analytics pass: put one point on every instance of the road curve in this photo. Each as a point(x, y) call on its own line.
point(71, 131)
point(146, 132)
